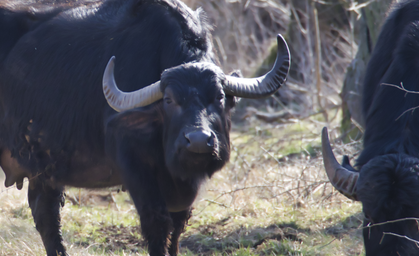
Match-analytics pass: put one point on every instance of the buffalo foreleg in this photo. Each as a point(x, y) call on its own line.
point(45, 203)
point(143, 187)
point(179, 220)
point(155, 227)
point(154, 216)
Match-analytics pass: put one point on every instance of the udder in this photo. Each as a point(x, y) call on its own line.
point(14, 172)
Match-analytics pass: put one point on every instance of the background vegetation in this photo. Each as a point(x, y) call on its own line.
point(273, 198)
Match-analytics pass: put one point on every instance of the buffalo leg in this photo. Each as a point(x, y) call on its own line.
point(45, 203)
point(155, 219)
point(155, 227)
point(154, 216)
point(143, 187)
point(179, 220)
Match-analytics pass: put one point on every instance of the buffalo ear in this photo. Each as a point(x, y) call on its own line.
point(347, 164)
point(139, 124)
point(232, 100)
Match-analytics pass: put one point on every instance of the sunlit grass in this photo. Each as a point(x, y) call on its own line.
point(260, 204)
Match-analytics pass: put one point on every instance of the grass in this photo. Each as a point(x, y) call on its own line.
point(273, 198)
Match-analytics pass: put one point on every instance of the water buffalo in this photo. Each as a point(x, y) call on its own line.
point(161, 131)
point(386, 178)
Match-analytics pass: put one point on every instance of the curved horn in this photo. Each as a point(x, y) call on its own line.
point(341, 178)
point(121, 101)
point(267, 84)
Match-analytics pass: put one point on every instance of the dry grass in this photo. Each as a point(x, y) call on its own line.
point(261, 203)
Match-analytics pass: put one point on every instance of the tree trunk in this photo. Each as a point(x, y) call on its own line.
point(372, 18)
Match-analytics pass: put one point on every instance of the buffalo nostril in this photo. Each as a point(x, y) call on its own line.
point(199, 141)
point(210, 141)
point(187, 135)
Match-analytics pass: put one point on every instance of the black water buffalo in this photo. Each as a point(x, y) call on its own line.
point(64, 122)
point(387, 179)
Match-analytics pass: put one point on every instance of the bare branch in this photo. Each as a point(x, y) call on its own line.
point(318, 62)
point(405, 237)
point(215, 202)
point(410, 109)
point(401, 87)
point(390, 221)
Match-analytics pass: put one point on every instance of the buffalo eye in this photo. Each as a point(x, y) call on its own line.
point(167, 100)
point(220, 96)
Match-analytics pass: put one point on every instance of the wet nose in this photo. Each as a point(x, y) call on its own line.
point(199, 141)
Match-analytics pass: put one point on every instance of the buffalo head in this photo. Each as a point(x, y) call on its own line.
point(387, 186)
point(195, 101)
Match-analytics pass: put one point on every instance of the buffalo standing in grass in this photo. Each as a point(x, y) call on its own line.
point(387, 182)
point(167, 135)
